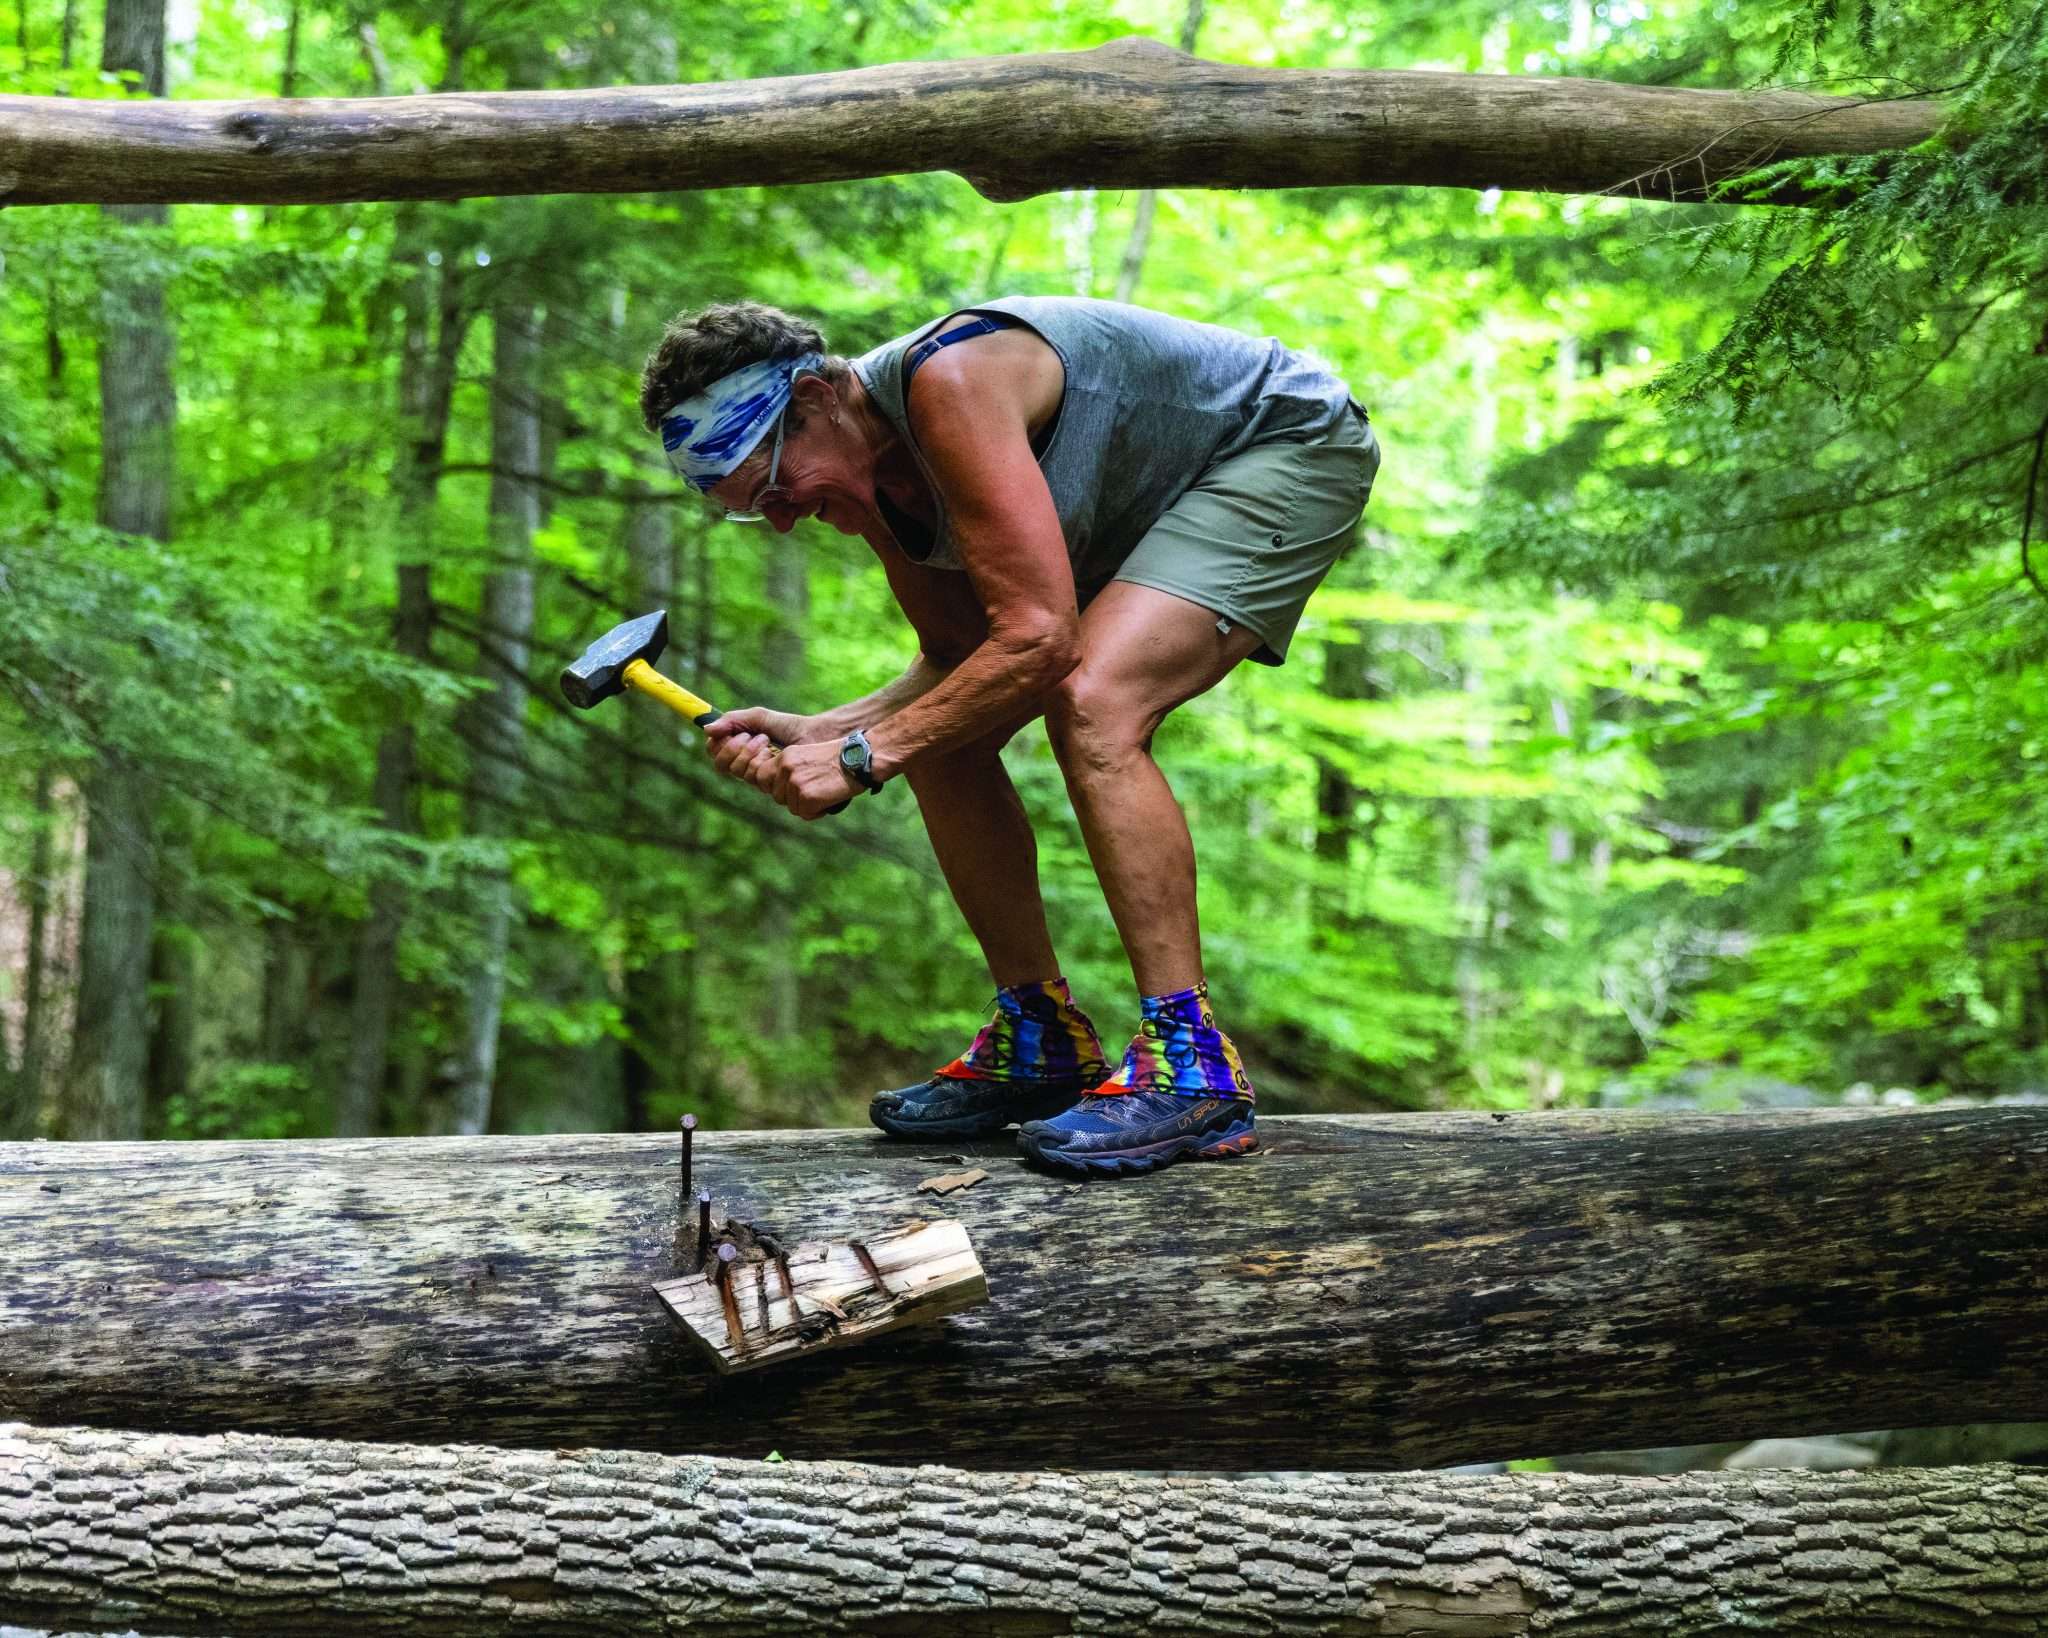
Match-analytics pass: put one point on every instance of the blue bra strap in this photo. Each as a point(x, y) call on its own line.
point(974, 327)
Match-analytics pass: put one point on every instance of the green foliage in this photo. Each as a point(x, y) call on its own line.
point(247, 1100)
point(1917, 946)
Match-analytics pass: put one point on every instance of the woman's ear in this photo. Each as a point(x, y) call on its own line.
point(814, 395)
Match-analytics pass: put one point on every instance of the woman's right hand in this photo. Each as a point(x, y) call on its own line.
point(743, 742)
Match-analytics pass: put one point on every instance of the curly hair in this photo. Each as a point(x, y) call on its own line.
point(698, 348)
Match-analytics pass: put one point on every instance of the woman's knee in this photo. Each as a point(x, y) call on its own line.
point(1094, 723)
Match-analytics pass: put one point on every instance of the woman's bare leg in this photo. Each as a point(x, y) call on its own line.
point(989, 855)
point(1143, 652)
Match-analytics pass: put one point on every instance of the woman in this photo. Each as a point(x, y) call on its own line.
point(1089, 512)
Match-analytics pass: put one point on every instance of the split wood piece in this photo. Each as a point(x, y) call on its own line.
point(827, 1295)
point(1129, 114)
point(243, 1537)
point(951, 1182)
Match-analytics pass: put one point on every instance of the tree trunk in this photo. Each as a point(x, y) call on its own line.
point(103, 1091)
point(288, 82)
point(651, 977)
point(1129, 114)
point(375, 992)
point(693, 1071)
point(287, 984)
point(174, 1017)
point(23, 1113)
point(1347, 675)
point(275, 1537)
point(104, 1081)
point(1471, 876)
point(173, 972)
point(498, 737)
point(1471, 899)
point(1561, 844)
point(426, 389)
point(1373, 1291)
point(20, 1117)
point(786, 587)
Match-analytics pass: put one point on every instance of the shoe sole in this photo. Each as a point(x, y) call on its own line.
point(1236, 1139)
point(970, 1126)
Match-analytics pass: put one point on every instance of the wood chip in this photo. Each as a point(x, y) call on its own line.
point(951, 1182)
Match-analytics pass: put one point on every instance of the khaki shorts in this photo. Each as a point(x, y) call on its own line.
point(1259, 531)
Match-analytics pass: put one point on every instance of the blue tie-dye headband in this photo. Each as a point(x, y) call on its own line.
point(707, 436)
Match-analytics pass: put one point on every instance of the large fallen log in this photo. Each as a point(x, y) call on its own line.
point(273, 1537)
point(1129, 114)
point(1390, 1291)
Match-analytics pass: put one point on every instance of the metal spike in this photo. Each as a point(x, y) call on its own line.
point(867, 1262)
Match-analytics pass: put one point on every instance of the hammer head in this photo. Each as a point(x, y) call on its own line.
point(597, 675)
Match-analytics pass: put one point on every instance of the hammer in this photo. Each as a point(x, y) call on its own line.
point(624, 658)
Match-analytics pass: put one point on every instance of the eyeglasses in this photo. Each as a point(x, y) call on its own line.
point(752, 512)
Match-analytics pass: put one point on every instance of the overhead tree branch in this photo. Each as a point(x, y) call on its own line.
point(1130, 114)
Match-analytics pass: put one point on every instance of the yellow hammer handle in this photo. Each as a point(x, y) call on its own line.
point(680, 700)
point(673, 695)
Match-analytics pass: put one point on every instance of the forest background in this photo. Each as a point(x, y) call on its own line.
point(1674, 726)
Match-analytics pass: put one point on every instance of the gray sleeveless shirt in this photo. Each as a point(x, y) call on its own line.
point(1151, 403)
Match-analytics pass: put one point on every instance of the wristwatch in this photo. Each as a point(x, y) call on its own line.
point(857, 760)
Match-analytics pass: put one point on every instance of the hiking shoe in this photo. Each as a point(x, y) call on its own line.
point(1035, 1056)
point(1139, 1132)
point(949, 1106)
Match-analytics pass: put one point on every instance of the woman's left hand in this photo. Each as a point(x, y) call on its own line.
point(807, 779)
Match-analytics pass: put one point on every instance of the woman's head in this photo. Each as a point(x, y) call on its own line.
point(822, 466)
point(699, 348)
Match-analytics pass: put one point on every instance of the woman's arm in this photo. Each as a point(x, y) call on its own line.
point(973, 425)
point(919, 679)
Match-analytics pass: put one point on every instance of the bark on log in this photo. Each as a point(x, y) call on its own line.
point(1373, 1291)
point(1129, 114)
point(274, 1537)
